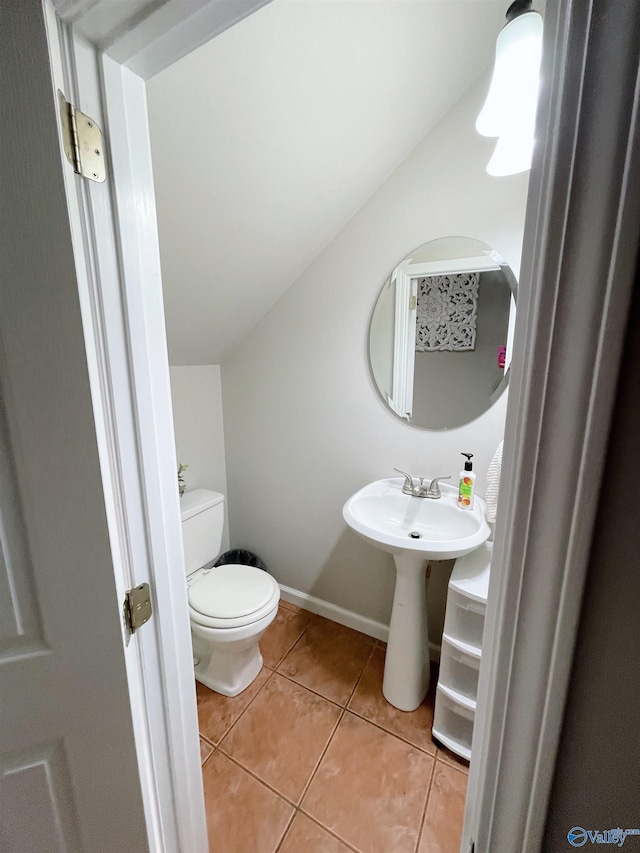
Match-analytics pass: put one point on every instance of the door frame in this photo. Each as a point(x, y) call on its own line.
point(563, 307)
point(582, 233)
point(115, 243)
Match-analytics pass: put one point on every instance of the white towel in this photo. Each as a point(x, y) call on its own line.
point(493, 484)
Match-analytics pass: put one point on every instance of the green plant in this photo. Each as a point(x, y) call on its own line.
point(181, 483)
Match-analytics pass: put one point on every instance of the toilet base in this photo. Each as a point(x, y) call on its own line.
point(229, 673)
point(229, 659)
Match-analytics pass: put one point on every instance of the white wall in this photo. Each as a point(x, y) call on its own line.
point(305, 426)
point(288, 99)
point(197, 417)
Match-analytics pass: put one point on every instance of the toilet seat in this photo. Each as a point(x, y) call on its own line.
point(231, 596)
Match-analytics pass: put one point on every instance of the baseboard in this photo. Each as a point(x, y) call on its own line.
point(344, 617)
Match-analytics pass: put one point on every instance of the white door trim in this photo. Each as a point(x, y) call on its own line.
point(581, 241)
point(168, 33)
point(553, 401)
point(134, 210)
point(116, 248)
point(150, 35)
point(125, 340)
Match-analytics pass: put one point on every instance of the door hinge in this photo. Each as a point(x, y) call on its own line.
point(413, 303)
point(82, 141)
point(137, 607)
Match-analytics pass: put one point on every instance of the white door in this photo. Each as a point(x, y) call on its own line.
point(70, 779)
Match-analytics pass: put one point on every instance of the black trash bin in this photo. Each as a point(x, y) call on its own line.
point(244, 558)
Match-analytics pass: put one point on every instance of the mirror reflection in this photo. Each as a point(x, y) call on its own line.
point(441, 331)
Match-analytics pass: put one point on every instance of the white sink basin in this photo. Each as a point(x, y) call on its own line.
point(384, 516)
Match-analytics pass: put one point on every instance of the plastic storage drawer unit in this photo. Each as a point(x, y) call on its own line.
point(461, 651)
point(453, 723)
point(464, 619)
point(459, 667)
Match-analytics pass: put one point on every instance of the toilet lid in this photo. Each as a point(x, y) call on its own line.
point(230, 591)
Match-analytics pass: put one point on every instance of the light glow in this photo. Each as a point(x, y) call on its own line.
point(512, 154)
point(509, 112)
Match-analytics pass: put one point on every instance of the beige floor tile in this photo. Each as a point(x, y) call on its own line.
point(328, 659)
point(243, 816)
point(368, 702)
point(442, 829)
point(282, 735)
point(370, 788)
point(305, 836)
point(205, 750)
point(451, 758)
point(217, 713)
point(282, 634)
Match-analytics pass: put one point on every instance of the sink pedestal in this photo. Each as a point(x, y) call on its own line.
point(406, 670)
point(415, 530)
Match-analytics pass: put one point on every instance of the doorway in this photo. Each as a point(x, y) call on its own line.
point(312, 174)
point(119, 80)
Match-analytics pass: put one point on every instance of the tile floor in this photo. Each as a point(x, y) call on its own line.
point(312, 759)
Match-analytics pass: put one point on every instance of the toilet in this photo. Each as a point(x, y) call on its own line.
point(230, 607)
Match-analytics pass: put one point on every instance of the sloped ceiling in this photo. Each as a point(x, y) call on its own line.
point(267, 140)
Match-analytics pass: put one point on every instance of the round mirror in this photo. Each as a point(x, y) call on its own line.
point(440, 334)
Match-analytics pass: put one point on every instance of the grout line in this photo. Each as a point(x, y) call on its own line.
point(435, 755)
point(322, 755)
point(249, 704)
point(426, 805)
point(422, 749)
point(342, 710)
point(392, 734)
point(294, 643)
point(202, 763)
point(379, 725)
point(258, 779)
point(315, 692)
point(450, 763)
point(328, 831)
point(286, 831)
point(292, 646)
point(315, 617)
point(313, 773)
point(359, 679)
point(207, 739)
point(360, 716)
point(322, 696)
point(446, 757)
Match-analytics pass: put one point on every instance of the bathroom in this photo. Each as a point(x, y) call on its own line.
point(271, 273)
point(99, 744)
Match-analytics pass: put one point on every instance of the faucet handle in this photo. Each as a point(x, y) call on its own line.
point(434, 486)
point(408, 482)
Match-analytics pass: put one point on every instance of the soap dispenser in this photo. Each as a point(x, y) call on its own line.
point(467, 489)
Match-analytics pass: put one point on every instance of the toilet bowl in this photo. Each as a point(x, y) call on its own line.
point(230, 606)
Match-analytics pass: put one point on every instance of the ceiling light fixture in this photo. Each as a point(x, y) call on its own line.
point(510, 109)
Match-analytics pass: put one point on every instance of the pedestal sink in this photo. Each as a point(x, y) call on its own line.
point(415, 530)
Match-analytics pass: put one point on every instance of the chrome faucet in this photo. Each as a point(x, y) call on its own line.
point(432, 490)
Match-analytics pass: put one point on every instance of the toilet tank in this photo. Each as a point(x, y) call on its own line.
point(202, 523)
